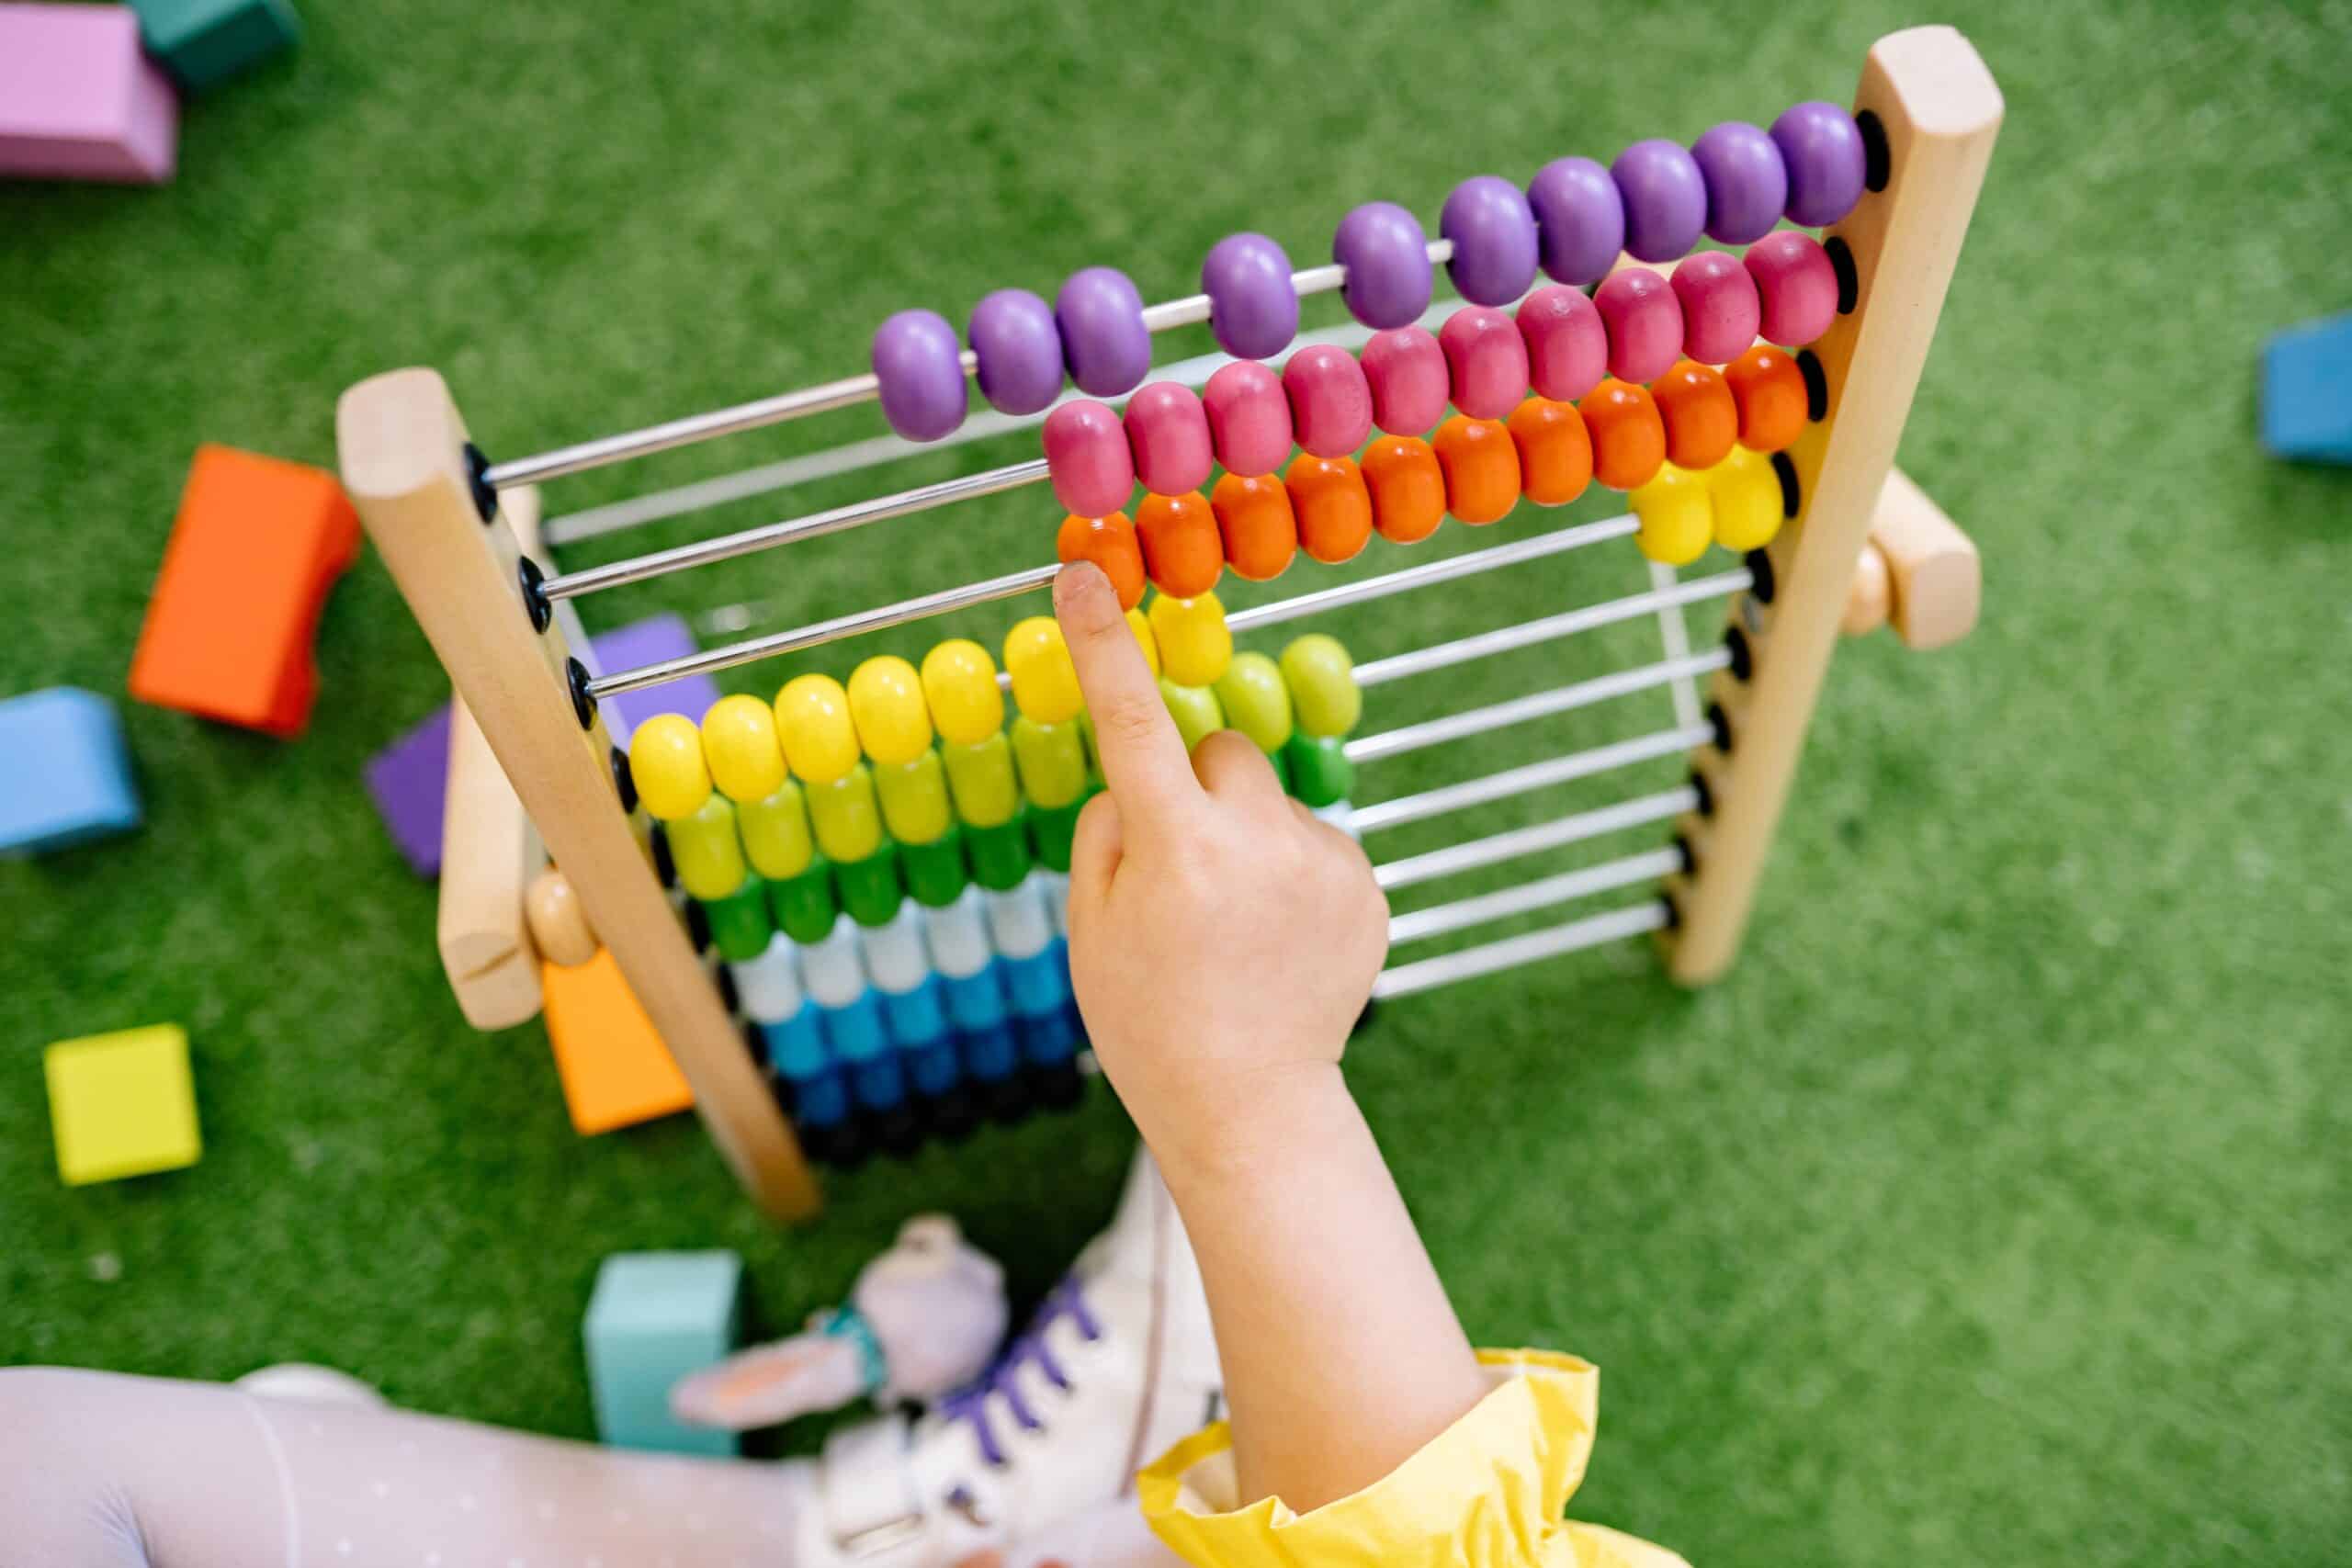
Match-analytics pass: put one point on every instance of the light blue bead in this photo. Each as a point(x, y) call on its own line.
point(856, 1031)
point(797, 1048)
point(1040, 984)
point(654, 1317)
point(976, 1001)
point(919, 1016)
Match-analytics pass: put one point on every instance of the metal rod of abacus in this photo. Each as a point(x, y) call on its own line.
point(1547, 628)
point(1517, 842)
point(1429, 573)
point(1404, 979)
point(1536, 704)
point(609, 449)
point(1438, 920)
point(1437, 802)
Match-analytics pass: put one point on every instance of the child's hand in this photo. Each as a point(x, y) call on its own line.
point(1222, 941)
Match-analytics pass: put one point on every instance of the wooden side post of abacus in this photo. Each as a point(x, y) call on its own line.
point(402, 444)
point(1938, 110)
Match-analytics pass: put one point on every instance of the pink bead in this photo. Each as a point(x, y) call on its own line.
point(1330, 402)
point(1720, 313)
point(1087, 456)
point(1406, 369)
point(1567, 346)
point(1248, 418)
point(1168, 433)
point(1486, 361)
point(1644, 322)
point(1797, 285)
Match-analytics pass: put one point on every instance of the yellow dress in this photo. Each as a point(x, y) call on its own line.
point(1485, 1492)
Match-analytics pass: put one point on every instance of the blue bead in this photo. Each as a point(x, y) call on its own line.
point(990, 1053)
point(1049, 1039)
point(821, 1099)
point(796, 1047)
point(879, 1084)
point(933, 1065)
point(857, 1032)
point(976, 1002)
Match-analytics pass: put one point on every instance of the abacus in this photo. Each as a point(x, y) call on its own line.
point(871, 866)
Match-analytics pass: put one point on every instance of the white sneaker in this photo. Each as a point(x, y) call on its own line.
point(1118, 1364)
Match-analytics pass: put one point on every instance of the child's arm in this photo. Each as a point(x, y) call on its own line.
point(1222, 943)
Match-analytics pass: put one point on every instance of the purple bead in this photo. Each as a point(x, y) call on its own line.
point(1104, 342)
point(1253, 310)
point(920, 365)
point(1580, 219)
point(1822, 149)
point(1493, 231)
point(1666, 200)
point(1012, 334)
point(1747, 183)
point(1388, 258)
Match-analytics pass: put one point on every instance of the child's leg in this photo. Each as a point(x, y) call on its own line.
point(98, 1471)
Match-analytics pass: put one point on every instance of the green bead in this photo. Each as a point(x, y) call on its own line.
point(804, 905)
point(1051, 829)
point(980, 777)
point(1319, 770)
point(1052, 759)
point(869, 888)
point(740, 924)
point(1195, 710)
point(776, 833)
point(1000, 854)
point(704, 847)
point(1255, 700)
point(934, 871)
point(1322, 681)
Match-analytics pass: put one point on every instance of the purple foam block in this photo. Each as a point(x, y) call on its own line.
point(78, 101)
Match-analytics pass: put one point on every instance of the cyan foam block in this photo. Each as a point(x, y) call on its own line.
point(2307, 391)
point(204, 41)
point(67, 774)
point(656, 1317)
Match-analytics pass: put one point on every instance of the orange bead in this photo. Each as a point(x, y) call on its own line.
point(1628, 437)
point(1554, 453)
point(1333, 508)
point(1182, 550)
point(1481, 468)
point(1408, 487)
point(1254, 517)
point(1110, 543)
point(1768, 389)
point(1702, 419)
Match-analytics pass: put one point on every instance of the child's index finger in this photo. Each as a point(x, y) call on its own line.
point(1144, 760)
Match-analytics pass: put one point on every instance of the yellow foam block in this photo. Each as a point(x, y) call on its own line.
point(615, 1070)
point(122, 1104)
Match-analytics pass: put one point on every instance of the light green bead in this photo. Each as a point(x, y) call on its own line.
point(1052, 761)
point(980, 778)
point(1255, 700)
point(914, 798)
point(776, 833)
point(704, 847)
point(1195, 710)
point(1322, 680)
point(847, 818)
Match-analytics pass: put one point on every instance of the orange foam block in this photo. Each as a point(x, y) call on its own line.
point(615, 1070)
point(258, 545)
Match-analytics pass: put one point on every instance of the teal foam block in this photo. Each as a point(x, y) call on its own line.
point(67, 774)
point(201, 42)
point(2307, 391)
point(654, 1317)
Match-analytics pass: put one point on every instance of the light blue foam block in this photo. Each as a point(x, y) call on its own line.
point(656, 1317)
point(67, 774)
point(2307, 391)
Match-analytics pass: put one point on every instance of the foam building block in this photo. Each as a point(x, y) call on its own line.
point(201, 42)
point(79, 101)
point(122, 1104)
point(615, 1070)
point(2307, 391)
point(66, 779)
point(654, 1317)
point(256, 546)
point(408, 779)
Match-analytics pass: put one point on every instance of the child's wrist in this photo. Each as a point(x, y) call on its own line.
point(1252, 1129)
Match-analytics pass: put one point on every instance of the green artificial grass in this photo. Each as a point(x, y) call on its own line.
point(1992, 1210)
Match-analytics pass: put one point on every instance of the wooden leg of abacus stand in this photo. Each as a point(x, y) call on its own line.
point(402, 444)
point(1938, 110)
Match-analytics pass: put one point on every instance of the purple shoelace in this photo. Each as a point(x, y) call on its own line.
point(1028, 1350)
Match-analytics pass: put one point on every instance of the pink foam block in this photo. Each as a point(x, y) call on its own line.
point(78, 101)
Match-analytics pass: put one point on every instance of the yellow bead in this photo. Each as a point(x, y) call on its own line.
point(959, 685)
point(1324, 697)
point(980, 778)
point(1256, 701)
point(1138, 624)
point(665, 759)
point(1747, 495)
point(1052, 759)
point(886, 702)
point(914, 798)
point(776, 833)
point(847, 818)
point(1045, 683)
point(739, 745)
point(812, 720)
point(704, 847)
point(1195, 710)
point(1677, 520)
point(1194, 646)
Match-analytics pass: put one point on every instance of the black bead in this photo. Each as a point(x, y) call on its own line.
point(1006, 1099)
point(954, 1114)
point(899, 1129)
point(1057, 1086)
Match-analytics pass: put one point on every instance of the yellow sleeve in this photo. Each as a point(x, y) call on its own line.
point(1489, 1490)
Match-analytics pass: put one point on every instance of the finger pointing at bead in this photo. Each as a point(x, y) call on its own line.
point(1143, 757)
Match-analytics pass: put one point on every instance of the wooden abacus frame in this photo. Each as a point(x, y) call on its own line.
point(444, 520)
